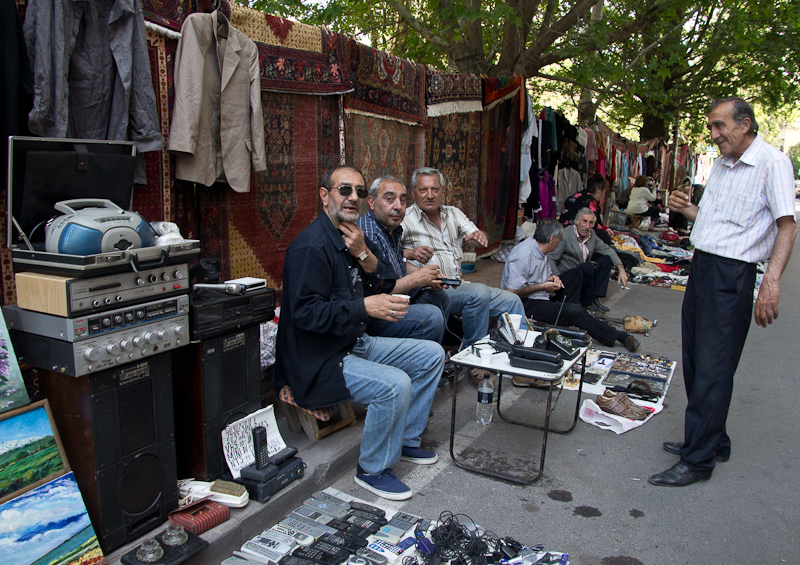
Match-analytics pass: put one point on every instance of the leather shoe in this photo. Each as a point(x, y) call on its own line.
point(632, 343)
point(675, 447)
point(598, 306)
point(679, 475)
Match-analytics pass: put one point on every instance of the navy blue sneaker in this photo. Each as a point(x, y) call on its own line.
point(418, 456)
point(386, 484)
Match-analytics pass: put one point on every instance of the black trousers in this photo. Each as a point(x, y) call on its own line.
point(547, 311)
point(715, 319)
point(593, 278)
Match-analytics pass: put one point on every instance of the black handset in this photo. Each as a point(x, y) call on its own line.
point(260, 448)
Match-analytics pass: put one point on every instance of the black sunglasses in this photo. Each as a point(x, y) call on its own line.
point(346, 190)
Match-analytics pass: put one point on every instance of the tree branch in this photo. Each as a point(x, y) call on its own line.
point(419, 26)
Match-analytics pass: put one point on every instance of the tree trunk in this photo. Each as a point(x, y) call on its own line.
point(587, 108)
point(652, 127)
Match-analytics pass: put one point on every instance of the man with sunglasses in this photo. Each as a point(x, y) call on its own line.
point(432, 235)
point(332, 286)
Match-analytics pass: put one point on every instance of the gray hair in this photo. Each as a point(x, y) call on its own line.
point(425, 171)
point(741, 110)
point(376, 184)
point(546, 229)
point(584, 212)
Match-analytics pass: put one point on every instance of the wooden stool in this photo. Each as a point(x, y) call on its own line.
point(308, 420)
point(636, 220)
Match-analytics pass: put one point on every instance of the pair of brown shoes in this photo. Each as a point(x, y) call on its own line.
point(619, 404)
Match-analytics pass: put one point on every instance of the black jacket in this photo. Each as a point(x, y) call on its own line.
point(322, 313)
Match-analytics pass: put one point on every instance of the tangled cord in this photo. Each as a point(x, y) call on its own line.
point(461, 544)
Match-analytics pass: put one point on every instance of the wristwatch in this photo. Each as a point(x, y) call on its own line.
point(363, 256)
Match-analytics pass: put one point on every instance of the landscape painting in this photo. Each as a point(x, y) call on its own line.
point(48, 526)
point(30, 450)
point(12, 387)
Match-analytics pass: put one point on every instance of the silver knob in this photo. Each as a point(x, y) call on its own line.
point(113, 349)
point(163, 334)
point(139, 281)
point(177, 275)
point(165, 276)
point(152, 278)
point(126, 345)
point(138, 341)
point(92, 354)
point(179, 330)
point(151, 338)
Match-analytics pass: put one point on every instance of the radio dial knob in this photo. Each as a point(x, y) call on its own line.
point(163, 334)
point(151, 338)
point(165, 276)
point(138, 341)
point(179, 330)
point(177, 275)
point(126, 345)
point(91, 354)
point(152, 278)
point(139, 281)
point(113, 349)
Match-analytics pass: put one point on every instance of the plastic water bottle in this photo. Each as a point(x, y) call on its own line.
point(485, 399)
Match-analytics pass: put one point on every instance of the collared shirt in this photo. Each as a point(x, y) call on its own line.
point(446, 243)
point(389, 245)
point(741, 202)
point(526, 264)
point(322, 313)
point(582, 242)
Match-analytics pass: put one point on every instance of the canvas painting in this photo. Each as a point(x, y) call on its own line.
point(48, 525)
point(12, 387)
point(31, 453)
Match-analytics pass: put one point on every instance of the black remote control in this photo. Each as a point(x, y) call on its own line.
point(365, 523)
point(368, 515)
point(283, 455)
point(260, 448)
point(320, 556)
point(350, 529)
point(294, 560)
point(450, 282)
point(345, 541)
point(368, 508)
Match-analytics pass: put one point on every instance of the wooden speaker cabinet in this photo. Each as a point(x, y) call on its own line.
point(118, 434)
point(216, 381)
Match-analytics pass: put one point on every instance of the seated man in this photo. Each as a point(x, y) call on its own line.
point(330, 278)
point(527, 274)
point(572, 262)
point(381, 225)
point(433, 233)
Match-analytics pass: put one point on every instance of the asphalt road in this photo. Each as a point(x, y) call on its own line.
point(594, 501)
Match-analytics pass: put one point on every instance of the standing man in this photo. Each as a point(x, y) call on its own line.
point(572, 261)
point(332, 286)
point(387, 202)
point(527, 274)
point(746, 216)
point(433, 232)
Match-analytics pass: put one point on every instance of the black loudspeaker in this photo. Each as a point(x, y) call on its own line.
point(118, 434)
point(216, 381)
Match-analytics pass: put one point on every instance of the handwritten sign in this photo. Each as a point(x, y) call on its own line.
point(237, 439)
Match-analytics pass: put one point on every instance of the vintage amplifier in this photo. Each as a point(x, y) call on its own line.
point(43, 172)
point(215, 313)
point(70, 296)
point(85, 345)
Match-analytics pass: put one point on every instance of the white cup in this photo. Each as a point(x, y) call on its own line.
point(516, 320)
point(407, 297)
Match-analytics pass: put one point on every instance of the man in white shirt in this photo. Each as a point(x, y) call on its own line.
point(433, 233)
point(746, 215)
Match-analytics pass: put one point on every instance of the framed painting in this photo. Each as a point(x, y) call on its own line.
point(31, 453)
point(12, 387)
point(49, 524)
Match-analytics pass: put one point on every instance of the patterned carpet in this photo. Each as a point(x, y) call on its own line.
point(454, 147)
point(250, 232)
point(383, 147)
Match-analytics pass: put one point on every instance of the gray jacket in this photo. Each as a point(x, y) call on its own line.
point(568, 254)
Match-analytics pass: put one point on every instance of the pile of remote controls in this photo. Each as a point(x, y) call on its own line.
point(334, 528)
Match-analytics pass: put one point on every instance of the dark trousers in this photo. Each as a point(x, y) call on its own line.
point(593, 278)
point(715, 319)
point(547, 311)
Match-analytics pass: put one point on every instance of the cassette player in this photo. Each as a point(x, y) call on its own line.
point(214, 313)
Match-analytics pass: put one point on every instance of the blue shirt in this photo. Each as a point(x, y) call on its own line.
point(389, 247)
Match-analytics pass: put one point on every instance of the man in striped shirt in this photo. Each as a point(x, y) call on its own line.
point(746, 216)
point(433, 234)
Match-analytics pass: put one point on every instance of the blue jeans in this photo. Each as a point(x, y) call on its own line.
point(396, 379)
point(423, 321)
point(477, 303)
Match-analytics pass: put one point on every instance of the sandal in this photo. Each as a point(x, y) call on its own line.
point(619, 404)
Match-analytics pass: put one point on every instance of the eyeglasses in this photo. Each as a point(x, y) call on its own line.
point(346, 190)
